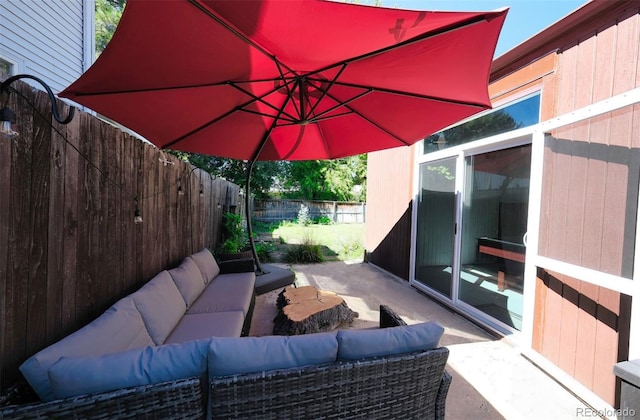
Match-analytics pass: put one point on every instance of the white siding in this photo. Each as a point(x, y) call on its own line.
point(50, 39)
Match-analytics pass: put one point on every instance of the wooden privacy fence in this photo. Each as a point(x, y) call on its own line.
point(336, 211)
point(69, 247)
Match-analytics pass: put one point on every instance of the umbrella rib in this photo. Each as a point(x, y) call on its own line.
point(153, 89)
point(319, 117)
point(262, 114)
point(414, 95)
point(205, 125)
point(236, 32)
point(261, 100)
point(353, 111)
point(434, 33)
point(324, 91)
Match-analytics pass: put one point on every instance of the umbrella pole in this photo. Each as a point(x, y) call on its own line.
point(247, 212)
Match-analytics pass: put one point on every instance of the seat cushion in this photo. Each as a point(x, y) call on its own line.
point(227, 292)
point(118, 329)
point(231, 356)
point(161, 306)
point(360, 344)
point(72, 376)
point(188, 280)
point(207, 325)
point(206, 263)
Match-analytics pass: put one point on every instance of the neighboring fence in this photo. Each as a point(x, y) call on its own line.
point(69, 247)
point(336, 211)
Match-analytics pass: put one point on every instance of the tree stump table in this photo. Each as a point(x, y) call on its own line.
point(306, 310)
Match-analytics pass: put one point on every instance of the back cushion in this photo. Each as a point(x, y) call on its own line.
point(207, 264)
point(230, 356)
point(161, 306)
point(360, 344)
point(120, 328)
point(188, 280)
point(151, 365)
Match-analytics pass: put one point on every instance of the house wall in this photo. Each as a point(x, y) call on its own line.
point(589, 208)
point(388, 227)
point(52, 39)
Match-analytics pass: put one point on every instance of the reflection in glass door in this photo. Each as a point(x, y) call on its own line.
point(435, 225)
point(494, 226)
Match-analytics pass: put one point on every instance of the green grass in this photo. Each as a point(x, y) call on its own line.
point(337, 241)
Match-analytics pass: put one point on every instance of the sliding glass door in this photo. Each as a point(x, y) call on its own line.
point(482, 270)
point(494, 227)
point(435, 225)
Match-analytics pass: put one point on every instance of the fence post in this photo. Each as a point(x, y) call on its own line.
point(335, 212)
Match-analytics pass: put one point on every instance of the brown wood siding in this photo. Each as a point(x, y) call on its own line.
point(601, 65)
point(388, 226)
point(590, 187)
point(590, 192)
point(581, 328)
point(68, 245)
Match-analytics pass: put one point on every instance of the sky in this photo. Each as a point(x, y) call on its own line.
point(525, 18)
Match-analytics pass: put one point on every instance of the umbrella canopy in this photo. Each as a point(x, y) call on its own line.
point(289, 80)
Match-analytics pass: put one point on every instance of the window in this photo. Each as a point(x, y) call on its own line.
point(6, 69)
point(523, 113)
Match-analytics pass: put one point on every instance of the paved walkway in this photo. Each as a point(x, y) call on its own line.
point(491, 380)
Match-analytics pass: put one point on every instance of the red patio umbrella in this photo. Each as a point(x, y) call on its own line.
point(289, 80)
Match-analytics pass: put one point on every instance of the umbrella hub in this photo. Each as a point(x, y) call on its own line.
point(304, 95)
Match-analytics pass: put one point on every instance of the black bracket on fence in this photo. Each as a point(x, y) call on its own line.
point(7, 116)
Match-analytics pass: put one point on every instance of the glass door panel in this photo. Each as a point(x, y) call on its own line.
point(494, 224)
point(435, 225)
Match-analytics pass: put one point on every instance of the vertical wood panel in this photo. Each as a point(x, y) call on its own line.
point(627, 55)
point(17, 276)
point(559, 207)
point(575, 201)
point(604, 63)
point(6, 146)
point(38, 215)
point(553, 308)
point(55, 258)
point(129, 185)
point(567, 73)
point(583, 94)
point(71, 225)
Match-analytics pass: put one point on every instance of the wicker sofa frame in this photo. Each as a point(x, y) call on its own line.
point(404, 386)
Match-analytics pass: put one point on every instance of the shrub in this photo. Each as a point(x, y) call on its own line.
point(323, 220)
point(303, 215)
point(264, 250)
point(351, 249)
point(305, 253)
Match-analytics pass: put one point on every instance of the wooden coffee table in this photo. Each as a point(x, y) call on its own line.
point(306, 310)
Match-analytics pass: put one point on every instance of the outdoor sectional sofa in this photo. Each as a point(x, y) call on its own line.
point(193, 371)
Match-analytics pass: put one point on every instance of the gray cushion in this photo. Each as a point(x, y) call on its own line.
point(82, 375)
point(161, 306)
point(230, 356)
point(188, 280)
point(118, 329)
point(207, 264)
point(227, 292)
point(360, 344)
point(217, 324)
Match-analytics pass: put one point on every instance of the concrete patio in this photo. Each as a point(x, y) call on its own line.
point(491, 380)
